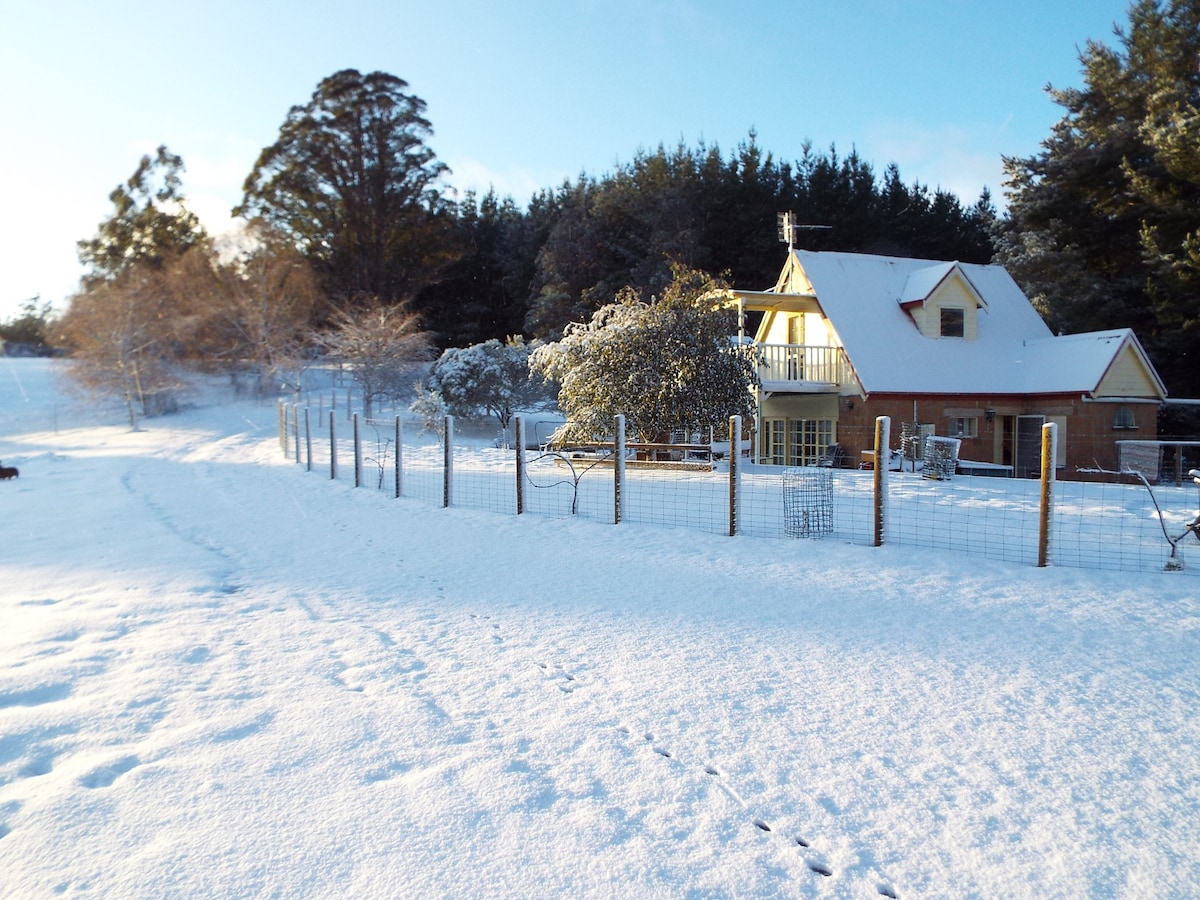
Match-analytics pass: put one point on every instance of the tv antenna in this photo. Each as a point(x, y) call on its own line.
point(788, 226)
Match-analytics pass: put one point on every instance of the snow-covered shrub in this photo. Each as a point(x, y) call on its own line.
point(430, 408)
point(667, 365)
point(491, 378)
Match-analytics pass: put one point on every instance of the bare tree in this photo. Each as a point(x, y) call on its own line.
point(120, 335)
point(255, 309)
point(380, 343)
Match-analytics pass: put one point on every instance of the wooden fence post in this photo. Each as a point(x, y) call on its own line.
point(357, 454)
point(735, 473)
point(1045, 506)
point(399, 463)
point(883, 439)
point(519, 439)
point(332, 446)
point(618, 469)
point(448, 462)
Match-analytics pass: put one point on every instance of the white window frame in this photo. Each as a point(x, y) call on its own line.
point(962, 322)
point(964, 426)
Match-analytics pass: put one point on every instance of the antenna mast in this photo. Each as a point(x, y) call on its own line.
point(788, 226)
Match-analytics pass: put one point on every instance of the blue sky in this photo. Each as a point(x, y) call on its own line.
point(522, 95)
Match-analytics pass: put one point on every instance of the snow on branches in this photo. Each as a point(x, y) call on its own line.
point(667, 364)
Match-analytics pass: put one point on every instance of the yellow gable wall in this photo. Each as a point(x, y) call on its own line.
point(774, 329)
point(953, 292)
point(1127, 377)
point(793, 280)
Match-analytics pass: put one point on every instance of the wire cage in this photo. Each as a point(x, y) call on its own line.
point(941, 458)
point(807, 502)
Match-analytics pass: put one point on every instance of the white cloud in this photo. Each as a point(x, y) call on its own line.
point(959, 159)
point(469, 174)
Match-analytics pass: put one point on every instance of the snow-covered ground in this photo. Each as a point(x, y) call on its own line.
point(223, 676)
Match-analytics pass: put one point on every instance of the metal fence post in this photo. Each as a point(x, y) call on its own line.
point(735, 473)
point(282, 426)
point(332, 446)
point(308, 438)
point(296, 428)
point(883, 439)
point(399, 463)
point(357, 454)
point(1045, 505)
point(519, 439)
point(448, 463)
point(618, 469)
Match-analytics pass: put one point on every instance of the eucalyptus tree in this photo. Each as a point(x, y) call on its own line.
point(149, 224)
point(352, 182)
point(125, 326)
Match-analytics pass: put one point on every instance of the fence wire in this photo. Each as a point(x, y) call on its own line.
point(1104, 525)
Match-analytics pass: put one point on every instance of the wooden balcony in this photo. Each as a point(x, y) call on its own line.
point(801, 368)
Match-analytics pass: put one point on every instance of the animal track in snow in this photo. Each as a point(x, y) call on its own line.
point(812, 860)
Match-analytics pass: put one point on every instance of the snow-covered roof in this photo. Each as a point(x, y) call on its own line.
point(1014, 352)
point(920, 283)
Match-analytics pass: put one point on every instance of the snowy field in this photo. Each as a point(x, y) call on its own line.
point(221, 675)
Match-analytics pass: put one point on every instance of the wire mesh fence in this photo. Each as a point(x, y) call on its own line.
point(1119, 524)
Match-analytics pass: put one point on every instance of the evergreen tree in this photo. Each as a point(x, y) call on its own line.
point(126, 327)
point(150, 222)
point(1103, 227)
point(31, 329)
point(698, 209)
point(484, 293)
point(352, 182)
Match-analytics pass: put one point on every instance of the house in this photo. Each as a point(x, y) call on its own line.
point(943, 348)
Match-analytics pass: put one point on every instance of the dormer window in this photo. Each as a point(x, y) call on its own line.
point(953, 321)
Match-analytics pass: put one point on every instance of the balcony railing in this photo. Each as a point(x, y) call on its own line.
point(802, 365)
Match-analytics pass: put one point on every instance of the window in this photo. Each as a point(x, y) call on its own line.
point(774, 442)
point(964, 427)
point(809, 439)
point(953, 321)
point(1123, 419)
point(796, 442)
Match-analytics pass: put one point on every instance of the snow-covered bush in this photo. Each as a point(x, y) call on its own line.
point(430, 408)
point(491, 378)
point(667, 365)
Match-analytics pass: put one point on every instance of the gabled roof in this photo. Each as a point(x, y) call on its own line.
point(1085, 359)
point(1014, 351)
point(921, 283)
